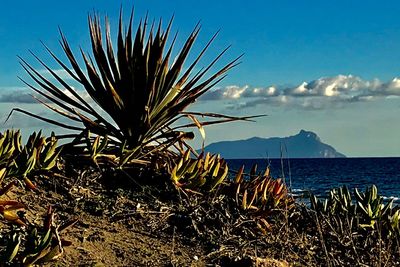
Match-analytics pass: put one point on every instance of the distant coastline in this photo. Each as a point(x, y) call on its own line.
point(305, 144)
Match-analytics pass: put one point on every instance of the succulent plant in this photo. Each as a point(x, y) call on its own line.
point(36, 244)
point(394, 222)
point(10, 144)
point(260, 192)
point(20, 161)
point(204, 172)
point(13, 244)
point(338, 202)
point(142, 92)
point(366, 209)
point(371, 206)
point(17, 160)
point(96, 148)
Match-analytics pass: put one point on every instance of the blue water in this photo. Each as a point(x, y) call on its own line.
point(320, 175)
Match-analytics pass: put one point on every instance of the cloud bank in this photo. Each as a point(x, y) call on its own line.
point(26, 96)
point(326, 92)
point(322, 93)
point(17, 97)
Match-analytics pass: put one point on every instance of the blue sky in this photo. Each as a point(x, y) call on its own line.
point(325, 66)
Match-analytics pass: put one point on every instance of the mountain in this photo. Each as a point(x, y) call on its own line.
point(305, 144)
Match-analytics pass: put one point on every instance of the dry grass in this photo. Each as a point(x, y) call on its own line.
point(155, 224)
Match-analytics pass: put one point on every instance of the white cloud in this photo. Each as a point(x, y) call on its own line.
point(326, 92)
point(25, 95)
point(10, 97)
point(318, 94)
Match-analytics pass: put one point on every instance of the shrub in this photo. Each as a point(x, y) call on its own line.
point(143, 94)
point(367, 210)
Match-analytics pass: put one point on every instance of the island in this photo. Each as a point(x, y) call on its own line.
point(305, 144)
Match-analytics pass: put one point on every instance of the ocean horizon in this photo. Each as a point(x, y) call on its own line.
point(319, 175)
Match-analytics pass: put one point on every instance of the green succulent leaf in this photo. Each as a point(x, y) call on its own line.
point(12, 247)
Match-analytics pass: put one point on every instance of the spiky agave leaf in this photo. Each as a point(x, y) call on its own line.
point(136, 85)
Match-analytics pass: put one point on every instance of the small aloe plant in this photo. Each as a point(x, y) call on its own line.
point(260, 192)
point(204, 172)
point(338, 202)
point(96, 147)
point(17, 160)
point(41, 244)
point(371, 206)
point(394, 222)
point(367, 208)
point(10, 144)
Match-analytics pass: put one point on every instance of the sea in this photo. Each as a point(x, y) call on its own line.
point(318, 176)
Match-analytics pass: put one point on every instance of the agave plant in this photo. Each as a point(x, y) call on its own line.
point(143, 93)
point(204, 172)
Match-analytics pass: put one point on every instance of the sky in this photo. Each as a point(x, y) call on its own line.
point(332, 67)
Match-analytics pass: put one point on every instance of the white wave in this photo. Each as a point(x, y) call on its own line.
point(390, 198)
